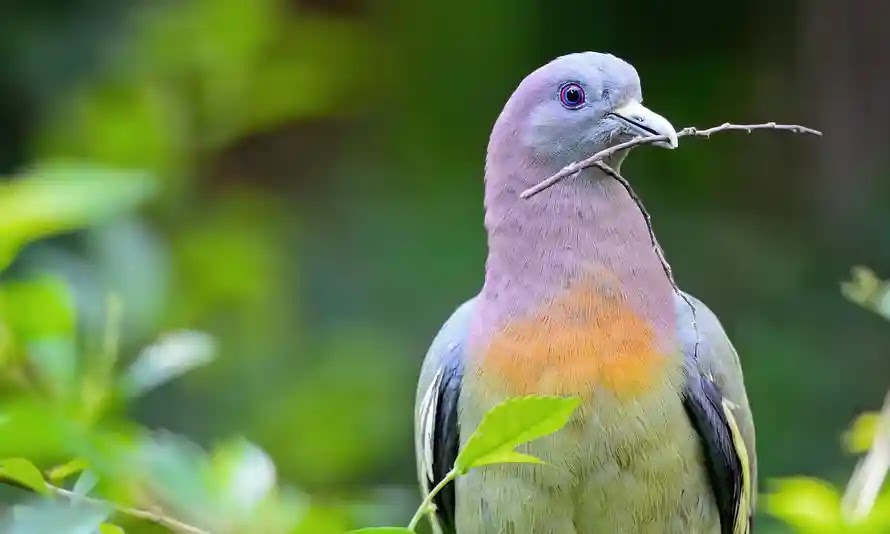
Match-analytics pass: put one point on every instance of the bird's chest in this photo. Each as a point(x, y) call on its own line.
point(583, 342)
point(621, 467)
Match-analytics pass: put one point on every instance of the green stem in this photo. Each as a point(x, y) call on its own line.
point(428, 501)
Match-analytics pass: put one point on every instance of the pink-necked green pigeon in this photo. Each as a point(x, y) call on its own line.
point(577, 302)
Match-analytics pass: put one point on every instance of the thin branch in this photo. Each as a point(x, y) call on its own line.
point(427, 505)
point(691, 131)
point(659, 252)
point(153, 517)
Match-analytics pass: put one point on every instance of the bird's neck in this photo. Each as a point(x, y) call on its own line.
point(584, 234)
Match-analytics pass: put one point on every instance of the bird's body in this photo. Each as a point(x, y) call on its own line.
point(576, 301)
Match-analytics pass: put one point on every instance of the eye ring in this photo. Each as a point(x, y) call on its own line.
point(571, 95)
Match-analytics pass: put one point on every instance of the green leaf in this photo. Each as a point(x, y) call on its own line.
point(38, 429)
point(324, 519)
point(60, 472)
point(129, 124)
point(39, 313)
point(23, 472)
point(867, 290)
point(806, 503)
point(40, 307)
point(383, 530)
point(507, 457)
point(53, 515)
point(512, 423)
point(243, 475)
point(108, 528)
point(172, 355)
point(56, 198)
point(858, 439)
point(85, 482)
point(177, 472)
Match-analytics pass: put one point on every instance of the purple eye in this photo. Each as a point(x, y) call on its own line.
point(571, 95)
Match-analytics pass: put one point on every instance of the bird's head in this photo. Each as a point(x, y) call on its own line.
point(577, 105)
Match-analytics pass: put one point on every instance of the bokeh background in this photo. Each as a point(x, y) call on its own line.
point(302, 180)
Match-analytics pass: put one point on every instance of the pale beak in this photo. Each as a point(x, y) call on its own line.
point(644, 122)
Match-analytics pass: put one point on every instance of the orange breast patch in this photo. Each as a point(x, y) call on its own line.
point(583, 340)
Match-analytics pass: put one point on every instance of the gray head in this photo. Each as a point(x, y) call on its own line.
point(573, 107)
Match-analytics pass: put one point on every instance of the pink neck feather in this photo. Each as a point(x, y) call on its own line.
point(586, 229)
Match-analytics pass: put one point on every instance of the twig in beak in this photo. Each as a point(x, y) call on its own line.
point(691, 131)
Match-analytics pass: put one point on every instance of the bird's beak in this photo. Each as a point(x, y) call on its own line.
point(644, 122)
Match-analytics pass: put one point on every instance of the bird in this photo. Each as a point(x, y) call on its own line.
point(577, 301)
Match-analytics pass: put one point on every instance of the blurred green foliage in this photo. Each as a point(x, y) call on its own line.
point(55, 198)
point(816, 506)
point(65, 394)
point(191, 79)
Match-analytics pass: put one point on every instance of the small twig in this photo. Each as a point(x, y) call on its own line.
point(691, 131)
point(153, 517)
point(659, 252)
point(427, 505)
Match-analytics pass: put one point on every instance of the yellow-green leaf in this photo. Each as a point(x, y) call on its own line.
point(858, 439)
point(61, 472)
point(39, 307)
point(867, 290)
point(59, 197)
point(507, 457)
point(383, 530)
point(108, 528)
point(806, 503)
point(23, 472)
point(863, 287)
point(512, 423)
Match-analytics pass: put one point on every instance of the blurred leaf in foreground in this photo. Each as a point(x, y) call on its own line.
point(40, 307)
point(38, 430)
point(85, 483)
point(22, 472)
point(232, 488)
point(322, 519)
point(173, 355)
point(808, 504)
point(243, 474)
point(45, 516)
point(867, 290)
point(61, 472)
point(858, 439)
point(38, 315)
point(56, 198)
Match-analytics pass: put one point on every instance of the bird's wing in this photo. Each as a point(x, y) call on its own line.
point(436, 432)
point(717, 405)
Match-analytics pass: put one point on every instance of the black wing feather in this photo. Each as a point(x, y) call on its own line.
point(437, 427)
point(704, 404)
point(446, 442)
